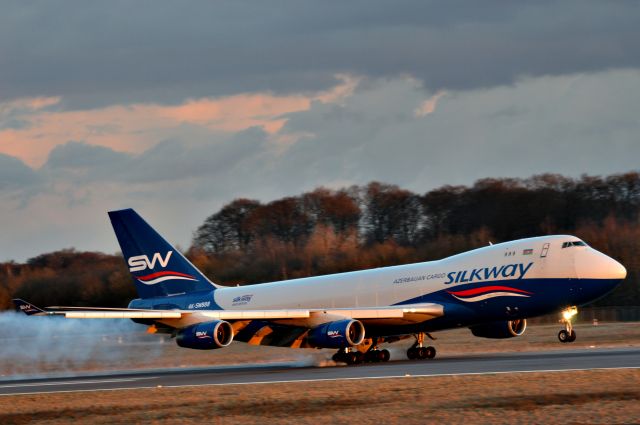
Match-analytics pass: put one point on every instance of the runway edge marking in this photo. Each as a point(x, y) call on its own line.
point(79, 382)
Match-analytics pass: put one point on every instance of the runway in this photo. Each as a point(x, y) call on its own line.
point(548, 361)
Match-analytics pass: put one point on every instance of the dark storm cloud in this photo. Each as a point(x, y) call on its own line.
point(100, 53)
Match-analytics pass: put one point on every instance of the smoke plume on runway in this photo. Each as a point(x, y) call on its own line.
point(36, 345)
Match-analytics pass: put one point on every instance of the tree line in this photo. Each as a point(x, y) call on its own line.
point(329, 231)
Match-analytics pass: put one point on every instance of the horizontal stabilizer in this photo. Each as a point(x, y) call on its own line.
point(27, 308)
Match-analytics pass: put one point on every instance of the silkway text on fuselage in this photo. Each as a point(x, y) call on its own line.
point(518, 271)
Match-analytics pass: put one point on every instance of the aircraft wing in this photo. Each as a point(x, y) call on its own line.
point(404, 314)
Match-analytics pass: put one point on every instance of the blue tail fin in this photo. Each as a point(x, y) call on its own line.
point(157, 268)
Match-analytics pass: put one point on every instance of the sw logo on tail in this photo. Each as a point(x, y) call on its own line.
point(141, 262)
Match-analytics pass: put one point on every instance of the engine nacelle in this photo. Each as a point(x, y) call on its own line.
point(206, 336)
point(339, 334)
point(499, 330)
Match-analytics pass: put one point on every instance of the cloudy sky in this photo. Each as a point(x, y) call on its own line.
point(175, 108)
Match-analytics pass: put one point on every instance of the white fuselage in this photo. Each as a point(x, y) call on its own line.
point(533, 258)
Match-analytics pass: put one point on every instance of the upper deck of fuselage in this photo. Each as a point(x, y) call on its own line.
point(538, 257)
point(504, 252)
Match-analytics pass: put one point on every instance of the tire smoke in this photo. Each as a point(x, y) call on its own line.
point(32, 346)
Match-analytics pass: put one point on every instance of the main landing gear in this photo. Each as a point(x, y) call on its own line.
point(353, 357)
point(376, 355)
point(419, 351)
point(347, 356)
point(568, 334)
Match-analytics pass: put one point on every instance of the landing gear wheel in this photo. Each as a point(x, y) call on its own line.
point(376, 356)
point(418, 351)
point(566, 336)
point(385, 355)
point(371, 356)
point(412, 353)
point(341, 356)
point(350, 358)
point(422, 353)
point(431, 352)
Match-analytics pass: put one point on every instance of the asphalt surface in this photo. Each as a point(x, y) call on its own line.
point(292, 372)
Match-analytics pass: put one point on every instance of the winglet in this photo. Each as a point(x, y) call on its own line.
point(28, 308)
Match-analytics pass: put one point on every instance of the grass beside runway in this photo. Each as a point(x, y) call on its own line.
point(611, 396)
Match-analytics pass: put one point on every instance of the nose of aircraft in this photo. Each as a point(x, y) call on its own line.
point(592, 264)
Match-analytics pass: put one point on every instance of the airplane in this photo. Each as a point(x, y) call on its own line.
point(491, 290)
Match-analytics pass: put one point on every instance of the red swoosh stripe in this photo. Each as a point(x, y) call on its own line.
point(165, 273)
point(483, 290)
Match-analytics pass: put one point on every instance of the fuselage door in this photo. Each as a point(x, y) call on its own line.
point(545, 250)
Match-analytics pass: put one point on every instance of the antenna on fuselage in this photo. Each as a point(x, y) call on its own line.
point(490, 243)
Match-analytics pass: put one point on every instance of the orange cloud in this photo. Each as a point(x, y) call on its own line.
point(29, 104)
point(137, 127)
point(239, 112)
point(120, 128)
point(429, 106)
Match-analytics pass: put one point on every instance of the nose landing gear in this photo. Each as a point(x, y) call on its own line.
point(568, 334)
point(419, 351)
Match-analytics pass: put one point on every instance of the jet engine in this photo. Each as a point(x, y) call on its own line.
point(499, 330)
point(206, 336)
point(339, 334)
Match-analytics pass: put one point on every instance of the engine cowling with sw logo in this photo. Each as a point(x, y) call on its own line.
point(500, 330)
point(206, 336)
point(338, 334)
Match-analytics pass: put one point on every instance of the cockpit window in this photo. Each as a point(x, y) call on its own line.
point(573, 243)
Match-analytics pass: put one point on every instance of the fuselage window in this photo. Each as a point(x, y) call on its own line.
point(570, 244)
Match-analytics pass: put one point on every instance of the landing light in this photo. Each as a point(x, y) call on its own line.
point(569, 313)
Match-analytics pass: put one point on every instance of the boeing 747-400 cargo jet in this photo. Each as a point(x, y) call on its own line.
point(491, 290)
